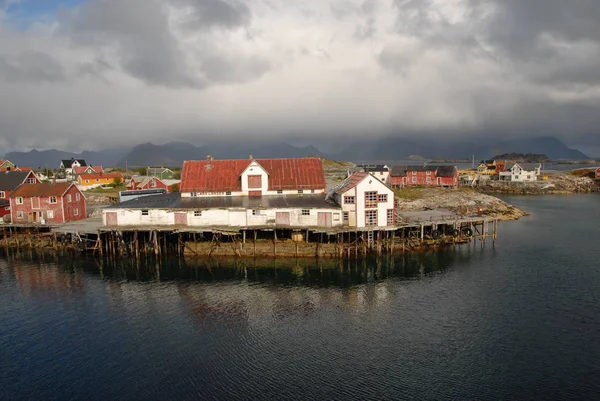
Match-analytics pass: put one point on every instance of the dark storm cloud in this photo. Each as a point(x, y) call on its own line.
point(31, 66)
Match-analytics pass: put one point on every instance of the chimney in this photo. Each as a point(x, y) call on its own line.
point(251, 157)
point(209, 165)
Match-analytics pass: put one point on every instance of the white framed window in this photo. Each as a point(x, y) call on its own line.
point(2, 195)
point(69, 198)
point(312, 191)
point(19, 201)
point(31, 180)
point(382, 197)
point(197, 213)
point(305, 212)
point(227, 193)
point(370, 199)
point(300, 191)
point(87, 181)
point(346, 217)
point(428, 172)
point(97, 179)
point(53, 199)
point(78, 197)
point(75, 212)
point(390, 217)
point(194, 194)
point(153, 185)
point(371, 217)
point(428, 179)
point(336, 217)
point(20, 215)
point(145, 212)
point(414, 173)
point(414, 179)
point(349, 200)
point(50, 214)
point(254, 212)
point(279, 191)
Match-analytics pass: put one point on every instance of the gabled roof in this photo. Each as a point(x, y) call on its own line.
point(373, 167)
point(351, 182)
point(82, 169)
point(157, 170)
point(421, 168)
point(445, 171)
point(10, 180)
point(399, 171)
point(42, 189)
point(69, 162)
point(224, 175)
point(100, 175)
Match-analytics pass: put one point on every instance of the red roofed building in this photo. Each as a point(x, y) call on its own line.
point(140, 182)
point(47, 202)
point(253, 177)
point(89, 181)
point(87, 170)
point(9, 181)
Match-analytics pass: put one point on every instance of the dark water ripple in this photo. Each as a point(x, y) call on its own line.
point(518, 321)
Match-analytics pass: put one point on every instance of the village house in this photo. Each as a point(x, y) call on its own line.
point(379, 171)
point(432, 175)
point(491, 167)
point(141, 182)
point(237, 193)
point(90, 181)
point(9, 181)
point(87, 170)
point(521, 172)
point(47, 203)
point(68, 165)
point(365, 201)
point(160, 172)
point(597, 173)
point(6, 164)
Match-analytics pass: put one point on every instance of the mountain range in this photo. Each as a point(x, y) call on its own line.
point(174, 153)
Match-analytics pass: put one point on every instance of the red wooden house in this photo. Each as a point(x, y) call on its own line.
point(426, 176)
point(9, 181)
point(47, 202)
point(597, 173)
point(139, 182)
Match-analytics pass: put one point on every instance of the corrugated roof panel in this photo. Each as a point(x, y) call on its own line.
point(42, 189)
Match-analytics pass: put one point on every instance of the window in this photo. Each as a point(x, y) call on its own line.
point(414, 173)
point(254, 181)
point(371, 199)
point(194, 194)
point(77, 197)
point(53, 199)
point(19, 201)
point(346, 217)
point(390, 217)
point(228, 193)
point(312, 191)
point(153, 185)
point(280, 191)
point(414, 179)
point(87, 181)
point(31, 180)
point(254, 212)
point(97, 179)
point(20, 215)
point(349, 200)
point(428, 179)
point(75, 212)
point(336, 217)
point(300, 191)
point(382, 197)
point(197, 213)
point(305, 212)
point(371, 217)
point(428, 172)
point(50, 214)
point(2, 195)
point(69, 198)
point(145, 212)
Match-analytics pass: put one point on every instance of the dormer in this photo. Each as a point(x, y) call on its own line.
point(255, 179)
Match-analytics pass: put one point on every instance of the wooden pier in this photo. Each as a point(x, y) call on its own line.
point(415, 233)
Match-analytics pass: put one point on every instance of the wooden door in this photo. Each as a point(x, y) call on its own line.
point(324, 219)
point(111, 218)
point(282, 218)
point(181, 219)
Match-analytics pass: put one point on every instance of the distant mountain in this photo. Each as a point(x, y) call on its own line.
point(548, 145)
point(522, 157)
point(174, 153)
point(51, 158)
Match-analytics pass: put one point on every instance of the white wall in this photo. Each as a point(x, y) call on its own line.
point(517, 174)
point(255, 169)
point(357, 211)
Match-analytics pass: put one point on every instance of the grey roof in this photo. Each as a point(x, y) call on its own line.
point(175, 201)
point(10, 180)
point(69, 162)
point(399, 171)
point(4, 202)
point(151, 170)
point(370, 168)
point(524, 166)
point(421, 168)
point(445, 171)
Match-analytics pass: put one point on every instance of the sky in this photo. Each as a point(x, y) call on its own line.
point(93, 74)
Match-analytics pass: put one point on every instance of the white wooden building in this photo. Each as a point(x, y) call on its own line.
point(285, 211)
point(521, 172)
point(366, 202)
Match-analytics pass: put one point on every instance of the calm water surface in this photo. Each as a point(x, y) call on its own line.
point(517, 321)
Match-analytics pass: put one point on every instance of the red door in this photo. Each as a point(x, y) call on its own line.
point(282, 218)
point(324, 219)
point(111, 218)
point(181, 219)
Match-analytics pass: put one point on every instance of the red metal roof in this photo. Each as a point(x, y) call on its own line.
point(82, 169)
point(224, 175)
point(41, 189)
point(351, 182)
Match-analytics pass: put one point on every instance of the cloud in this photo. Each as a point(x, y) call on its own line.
point(123, 72)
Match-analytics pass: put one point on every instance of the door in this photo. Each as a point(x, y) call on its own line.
point(324, 219)
point(111, 218)
point(282, 218)
point(181, 219)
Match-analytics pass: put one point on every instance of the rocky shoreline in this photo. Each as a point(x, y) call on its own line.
point(557, 183)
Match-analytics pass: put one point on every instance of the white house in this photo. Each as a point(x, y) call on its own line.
point(285, 211)
point(69, 164)
point(252, 177)
point(365, 201)
point(379, 171)
point(521, 172)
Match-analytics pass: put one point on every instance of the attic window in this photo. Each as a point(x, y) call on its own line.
point(31, 180)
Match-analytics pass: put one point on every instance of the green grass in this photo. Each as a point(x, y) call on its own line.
point(409, 192)
point(108, 191)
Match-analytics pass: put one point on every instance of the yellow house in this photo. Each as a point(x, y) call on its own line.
point(88, 181)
